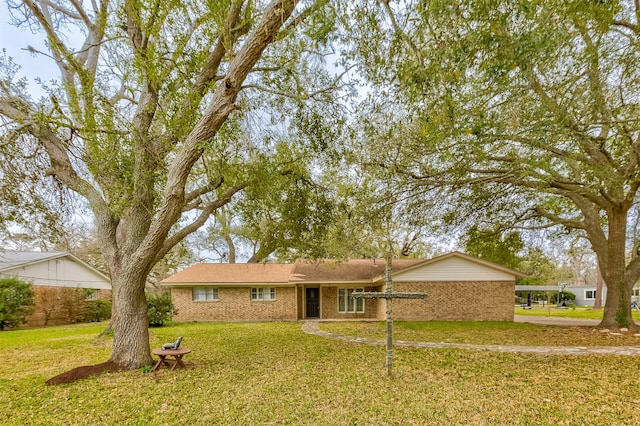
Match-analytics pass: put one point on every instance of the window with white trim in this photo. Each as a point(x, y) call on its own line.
point(590, 295)
point(263, 293)
point(205, 294)
point(349, 304)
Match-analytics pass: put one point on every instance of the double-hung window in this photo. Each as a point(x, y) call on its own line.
point(590, 294)
point(349, 304)
point(205, 294)
point(263, 293)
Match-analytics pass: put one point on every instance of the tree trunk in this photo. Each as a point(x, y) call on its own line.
point(597, 304)
point(617, 310)
point(130, 324)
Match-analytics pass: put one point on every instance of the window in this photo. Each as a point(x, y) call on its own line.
point(205, 294)
point(590, 294)
point(91, 294)
point(636, 292)
point(347, 303)
point(263, 293)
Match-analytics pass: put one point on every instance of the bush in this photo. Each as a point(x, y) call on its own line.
point(97, 310)
point(159, 309)
point(17, 301)
point(565, 295)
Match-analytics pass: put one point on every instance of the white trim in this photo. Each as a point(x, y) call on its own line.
point(348, 297)
point(204, 291)
point(260, 295)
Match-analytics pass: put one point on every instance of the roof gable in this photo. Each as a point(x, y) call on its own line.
point(58, 269)
point(15, 259)
point(454, 266)
point(457, 266)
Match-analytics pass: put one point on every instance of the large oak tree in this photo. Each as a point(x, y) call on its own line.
point(527, 111)
point(141, 121)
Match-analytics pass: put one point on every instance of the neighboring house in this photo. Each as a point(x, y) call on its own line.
point(60, 281)
point(458, 287)
point(585, 294)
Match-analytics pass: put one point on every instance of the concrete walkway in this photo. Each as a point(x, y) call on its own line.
point(311, 327)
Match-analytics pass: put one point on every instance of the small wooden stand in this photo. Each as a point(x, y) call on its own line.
point(177, 355)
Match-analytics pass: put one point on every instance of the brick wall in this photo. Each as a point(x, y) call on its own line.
point(300, 300)
point(329, 307)
point(58, 305)
point(234, 304)
point(461, 301)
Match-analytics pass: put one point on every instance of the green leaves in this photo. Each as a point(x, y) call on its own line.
point(17, 300)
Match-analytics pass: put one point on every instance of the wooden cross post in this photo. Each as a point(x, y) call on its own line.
point(388, 295)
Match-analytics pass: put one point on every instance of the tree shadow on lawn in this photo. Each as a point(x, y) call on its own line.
point(84, 372)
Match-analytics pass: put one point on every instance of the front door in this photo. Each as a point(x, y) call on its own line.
point(312, 296)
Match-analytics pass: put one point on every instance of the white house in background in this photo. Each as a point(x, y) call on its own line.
point(585, 294)
point(51, 273)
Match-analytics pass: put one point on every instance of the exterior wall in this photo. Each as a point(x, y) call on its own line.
point(300, 301)
point(329, 305)
point(457, 301)
point(453, 269)
point(59, 272)
point(235, 304)
point(58, 305)
point(580, 292)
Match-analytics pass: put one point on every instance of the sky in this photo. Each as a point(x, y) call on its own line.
point(15, 41)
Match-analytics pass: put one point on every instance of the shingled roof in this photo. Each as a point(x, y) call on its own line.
point(202, 273)
point(354, 270)
point(346, 270)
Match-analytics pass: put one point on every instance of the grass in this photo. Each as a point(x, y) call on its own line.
point(484, 333)
point(273, 373)
point(577, 312)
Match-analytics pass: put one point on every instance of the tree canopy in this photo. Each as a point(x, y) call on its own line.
point(526, 112)
point(145, 121)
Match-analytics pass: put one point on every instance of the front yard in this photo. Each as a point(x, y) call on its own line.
point(273, 373)
point(577, 312)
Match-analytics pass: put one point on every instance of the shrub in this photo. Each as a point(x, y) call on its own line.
point(97, 310)
point(159, 309)
point(17, 300)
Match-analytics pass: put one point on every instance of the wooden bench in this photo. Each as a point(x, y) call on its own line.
point(177, 355)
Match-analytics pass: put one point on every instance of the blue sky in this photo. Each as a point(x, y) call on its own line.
point(15, 41)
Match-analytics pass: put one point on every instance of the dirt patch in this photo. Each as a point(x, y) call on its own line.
point(83, 372)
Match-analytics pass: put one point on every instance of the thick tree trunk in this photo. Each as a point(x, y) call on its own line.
point(617, 310)
point(130, 324)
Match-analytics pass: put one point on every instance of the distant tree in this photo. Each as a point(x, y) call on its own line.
point(503, 248)
point(16, 302)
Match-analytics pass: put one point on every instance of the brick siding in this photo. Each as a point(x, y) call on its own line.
point(461, 301)
point(235, 304)
point(60, 302)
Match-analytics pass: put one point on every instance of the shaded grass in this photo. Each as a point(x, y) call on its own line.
point(273, 373)
point(484, 333)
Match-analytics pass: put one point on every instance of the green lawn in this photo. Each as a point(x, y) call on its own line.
point(273, 373)
point(578, 312)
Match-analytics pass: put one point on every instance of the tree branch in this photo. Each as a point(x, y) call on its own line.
point(206, 212)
